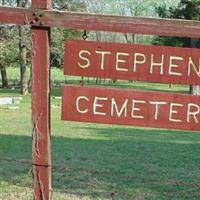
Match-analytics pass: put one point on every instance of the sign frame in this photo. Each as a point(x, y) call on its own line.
point(41, 18)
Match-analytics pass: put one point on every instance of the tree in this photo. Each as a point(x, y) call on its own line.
point(4, 76)
point(59, 35)
point(186, 9)
point(125, 8)
point(8, 55)
point(23, 46)
point(14, 36)
point(5, 35)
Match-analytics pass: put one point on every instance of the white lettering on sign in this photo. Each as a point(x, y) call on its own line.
point(157, 64)
point(135, 107)
point(172, 111)
point(103, 54)
point(115, 108)
point(87, 60)
point(120, 60)
point(192, 112)
point(97, 104)
point(78, 104)
point(157, 107)
point(139, 58)
point(194, 67)
point(172, 65)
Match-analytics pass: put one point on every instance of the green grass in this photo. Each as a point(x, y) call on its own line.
point(93, 161)
point(58, 76)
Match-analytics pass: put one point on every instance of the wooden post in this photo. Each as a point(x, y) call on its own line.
point(41, 144)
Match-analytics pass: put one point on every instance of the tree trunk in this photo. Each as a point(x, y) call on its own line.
point(4, 77)
point(194, 89)
point(126, 37)
point(22, 53)
point(133, 38)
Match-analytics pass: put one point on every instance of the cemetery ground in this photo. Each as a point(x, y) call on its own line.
point(95, 161)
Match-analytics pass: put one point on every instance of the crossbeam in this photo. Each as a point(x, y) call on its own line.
point(136, 25)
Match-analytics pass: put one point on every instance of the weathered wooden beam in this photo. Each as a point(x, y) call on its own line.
point(41, 145)
point(138, 25)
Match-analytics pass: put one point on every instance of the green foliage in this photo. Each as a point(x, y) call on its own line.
point(9, 37)
point(128, 7)
point(186, 9)
point(58, 37)
point(8, 40)
point(125, 8)
point(72, 5)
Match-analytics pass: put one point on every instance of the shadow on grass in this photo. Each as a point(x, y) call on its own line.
point(126, 163)
point(9, 92)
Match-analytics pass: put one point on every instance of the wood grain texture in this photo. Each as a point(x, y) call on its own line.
point(41, 146)
point(41, 122)
point(137, 25)
point(131, 107)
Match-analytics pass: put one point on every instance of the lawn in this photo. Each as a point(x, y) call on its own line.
point(94, 161)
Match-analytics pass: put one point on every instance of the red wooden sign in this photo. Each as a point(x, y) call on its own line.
point(131, 107)
point(133, 62)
